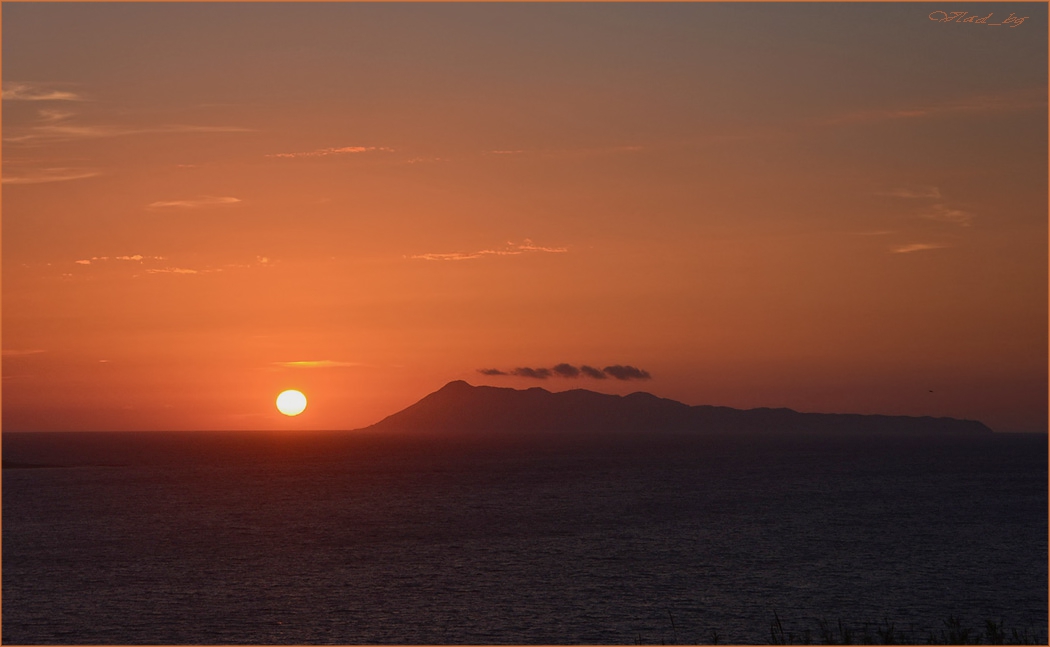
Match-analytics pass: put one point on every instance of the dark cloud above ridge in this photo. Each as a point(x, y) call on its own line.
point(537, 373)
point(566, 370)
point(590, 371)
point(626, 372)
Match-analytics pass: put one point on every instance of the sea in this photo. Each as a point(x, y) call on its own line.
point(350, 538)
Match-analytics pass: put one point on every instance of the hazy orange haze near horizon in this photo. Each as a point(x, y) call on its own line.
point(828, 207)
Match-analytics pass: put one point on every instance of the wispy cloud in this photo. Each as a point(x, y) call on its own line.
point(512, 249)
point(49, 131)
point(160, 265)
point(56, 125)
point(343, 150)
point(528, 246)
point(868, 116)
point(943, 213)
point(916, 247)
point(565, 370)
point(454, 256)
point(939, 212)
point(41, 176)
point(205, 201)
point(11, 352)
point(427, 160)
point(189, 128)
point(170, 270)
point(51, 115)
point(134, 257)
point(570, 152)
point(36, 92)
point(322, 363)
point(1028, 99)
point(922, 192)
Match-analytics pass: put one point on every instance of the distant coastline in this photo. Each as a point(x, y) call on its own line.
point(15, 465)
point(462, 407)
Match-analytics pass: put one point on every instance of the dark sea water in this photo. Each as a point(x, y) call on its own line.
point(263, 537)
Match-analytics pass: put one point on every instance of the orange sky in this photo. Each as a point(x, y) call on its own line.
point(828, 207)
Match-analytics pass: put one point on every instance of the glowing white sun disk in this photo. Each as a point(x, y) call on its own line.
point(291, 402)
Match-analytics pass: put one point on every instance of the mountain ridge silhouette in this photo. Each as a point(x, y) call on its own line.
point(461, 407)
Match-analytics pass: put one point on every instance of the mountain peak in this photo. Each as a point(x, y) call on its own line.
point(456, 385)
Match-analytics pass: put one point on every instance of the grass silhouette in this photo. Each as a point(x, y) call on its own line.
point(952, 632)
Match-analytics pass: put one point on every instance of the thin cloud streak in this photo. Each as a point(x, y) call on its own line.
point(206, 201)
point(143, 263)
point(943, 213)
point(916, 247)
point(20, 353)
point(924, 192)
point(426, 160)
point(323, 363)
point(171, 270)
point(512, 249)
point(322, 152)
point(135, 257)
point(52, 115)
point(986, 104)
point(876, 232)
point(569, 152)
point(46, 175)
point(34, 92)
point(74, 132)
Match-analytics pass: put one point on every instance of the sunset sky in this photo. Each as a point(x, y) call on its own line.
point(827, 207)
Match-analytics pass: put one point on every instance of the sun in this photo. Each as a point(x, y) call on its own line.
point(291, 402)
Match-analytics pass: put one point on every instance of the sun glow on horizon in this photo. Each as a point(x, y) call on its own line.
point(291, 402)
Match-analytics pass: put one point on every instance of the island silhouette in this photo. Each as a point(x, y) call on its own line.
point(459, 407)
